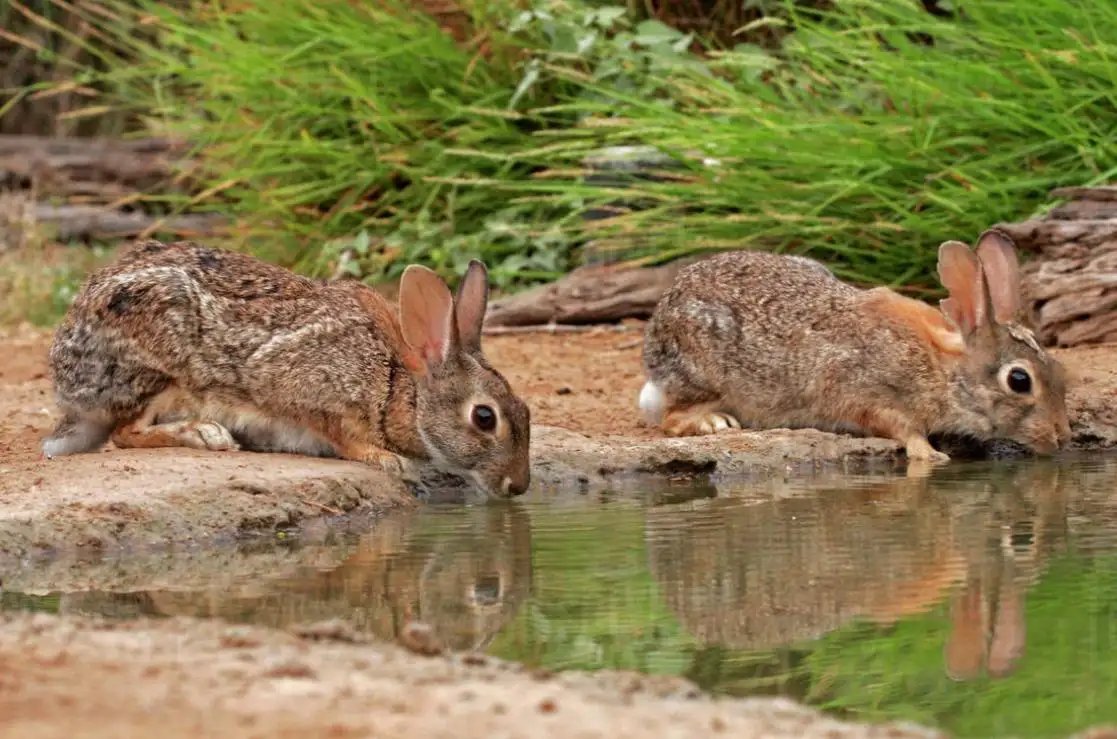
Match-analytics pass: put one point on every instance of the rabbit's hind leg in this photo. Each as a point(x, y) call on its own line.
point(205, 435)
point(152, 431)
point(99, 382)
point(77, 433)
point(692, 415)
point(698, 420)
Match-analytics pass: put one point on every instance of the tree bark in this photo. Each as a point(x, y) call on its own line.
point(1070, 282)
point(98, 170)
point(594, 294)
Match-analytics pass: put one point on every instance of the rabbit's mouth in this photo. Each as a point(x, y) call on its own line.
point(481, 485)
point(961, 446)
point(440, 485)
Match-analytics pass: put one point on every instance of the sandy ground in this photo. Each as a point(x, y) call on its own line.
point(185, 677)
point(210, 679)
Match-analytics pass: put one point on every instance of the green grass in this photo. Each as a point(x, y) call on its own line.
point(338, 126)
point(861, 155)
point(38, 281)
point(334, 128)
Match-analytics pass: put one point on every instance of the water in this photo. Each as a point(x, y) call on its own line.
point(981, 599)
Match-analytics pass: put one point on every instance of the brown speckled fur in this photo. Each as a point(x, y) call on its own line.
point(186, 345)
point(765, 341)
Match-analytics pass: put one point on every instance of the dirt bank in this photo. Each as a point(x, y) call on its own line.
point(211, 679)
point(582, 390)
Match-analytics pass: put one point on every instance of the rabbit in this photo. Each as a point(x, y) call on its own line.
point(184, 345)
point(988, 629)
point(762, 340)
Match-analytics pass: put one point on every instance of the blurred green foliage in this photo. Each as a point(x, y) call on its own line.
point(357, 137)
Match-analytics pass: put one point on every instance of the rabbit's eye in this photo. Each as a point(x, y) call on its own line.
point(1019, 381)
point(486, 591)
point(483, 417)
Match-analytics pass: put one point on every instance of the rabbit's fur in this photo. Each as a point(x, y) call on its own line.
point(763, 340)
point(183, 345)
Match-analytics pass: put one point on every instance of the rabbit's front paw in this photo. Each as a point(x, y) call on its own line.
point(919, 449)
point(393, 464)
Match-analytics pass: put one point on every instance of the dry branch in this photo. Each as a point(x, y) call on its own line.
point(595, 294)
point(1102, 193)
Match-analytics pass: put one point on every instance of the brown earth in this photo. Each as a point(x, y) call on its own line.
point(183, 677)
point(212, 679)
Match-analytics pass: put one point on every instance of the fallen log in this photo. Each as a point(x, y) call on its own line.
point(85, 222)
point(1100, 193)
point(592, 294)
point(99, 169)
point(1070, 281)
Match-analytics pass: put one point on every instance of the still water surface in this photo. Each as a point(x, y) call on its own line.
point(981, 600)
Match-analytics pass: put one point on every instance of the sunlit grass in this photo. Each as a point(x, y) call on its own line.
point(362, 128)
point(37, 284)
point(860, 145)
point(329, 126)
point(39, 276)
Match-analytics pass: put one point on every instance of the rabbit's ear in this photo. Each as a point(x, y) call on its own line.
point(470, 306)
point(961, 274)
point(1009, 631)
point(964, 652)
point(426, 313)
point(997, 253)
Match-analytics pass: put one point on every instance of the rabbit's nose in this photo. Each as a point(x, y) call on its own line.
point(512, 488)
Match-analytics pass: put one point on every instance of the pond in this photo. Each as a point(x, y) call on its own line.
point(981, 599)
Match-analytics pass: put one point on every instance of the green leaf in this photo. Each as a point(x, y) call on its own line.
point(652, 32)
point(531, 76)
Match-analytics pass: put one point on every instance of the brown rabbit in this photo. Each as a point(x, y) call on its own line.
point(190, 346)
point(764, 340)
point(466, 577)
point(988, 630)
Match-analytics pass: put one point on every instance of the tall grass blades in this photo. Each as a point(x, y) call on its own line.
point(861, 143)
point(359, 136)
point(47, 43)
point(326, 128)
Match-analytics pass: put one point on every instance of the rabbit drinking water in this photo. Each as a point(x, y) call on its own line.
point(182, 345)
point(757, 339)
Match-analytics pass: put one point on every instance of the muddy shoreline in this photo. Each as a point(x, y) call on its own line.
point(587, 437)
